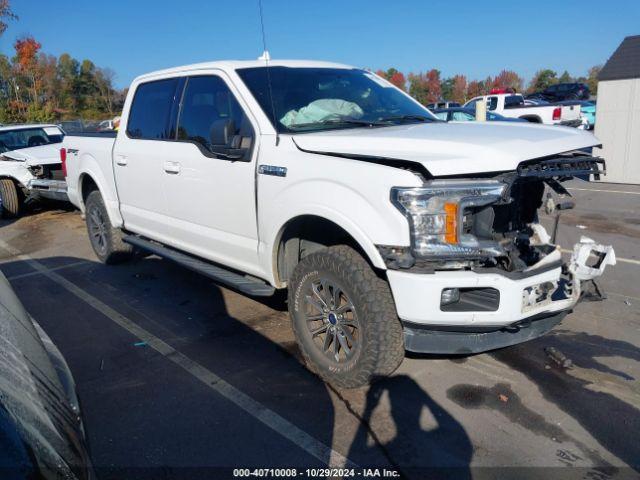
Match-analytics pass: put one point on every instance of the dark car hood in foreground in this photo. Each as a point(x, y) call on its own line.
point(39, 420)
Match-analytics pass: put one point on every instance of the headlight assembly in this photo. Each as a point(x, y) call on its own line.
point(436, 213)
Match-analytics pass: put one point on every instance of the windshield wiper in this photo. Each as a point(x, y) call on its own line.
point(419, 118)
point(340, 121)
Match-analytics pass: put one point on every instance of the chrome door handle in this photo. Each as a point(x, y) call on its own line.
point(172, 167)
point(121, 160)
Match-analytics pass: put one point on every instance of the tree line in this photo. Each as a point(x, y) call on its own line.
point(430, 87)
point(37, 87)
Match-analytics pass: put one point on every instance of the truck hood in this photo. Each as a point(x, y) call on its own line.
point(451, 148)
point(41, 155)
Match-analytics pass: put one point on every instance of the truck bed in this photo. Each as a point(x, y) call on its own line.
point(95, 149)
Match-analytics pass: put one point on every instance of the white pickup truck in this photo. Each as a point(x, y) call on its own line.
point(513, 105)
point(30, 166)
point(392, 230)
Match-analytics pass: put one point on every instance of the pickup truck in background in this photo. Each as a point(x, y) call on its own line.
point(513, 105)
point(391, 229)
point(30, 167)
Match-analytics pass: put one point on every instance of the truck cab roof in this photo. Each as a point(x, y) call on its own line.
point(237, 64)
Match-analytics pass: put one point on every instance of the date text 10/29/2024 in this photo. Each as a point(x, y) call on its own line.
point(316, 473)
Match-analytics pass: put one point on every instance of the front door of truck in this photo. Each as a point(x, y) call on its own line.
point(211, 194)
point(140, 153)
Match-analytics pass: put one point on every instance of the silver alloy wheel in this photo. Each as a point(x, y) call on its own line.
point(98, 230)
point(332, 321)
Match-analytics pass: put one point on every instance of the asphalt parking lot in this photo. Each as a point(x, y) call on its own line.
point(174, 372)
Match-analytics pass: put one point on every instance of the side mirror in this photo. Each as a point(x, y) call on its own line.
point(222, 132)
point(225, 143)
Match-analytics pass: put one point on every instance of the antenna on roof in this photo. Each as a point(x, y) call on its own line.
point(266, 57)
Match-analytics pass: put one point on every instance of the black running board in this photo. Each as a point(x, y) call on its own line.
point(250, 286)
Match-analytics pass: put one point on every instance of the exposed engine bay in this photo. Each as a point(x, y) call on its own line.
point(513, 222)
point(495, 220)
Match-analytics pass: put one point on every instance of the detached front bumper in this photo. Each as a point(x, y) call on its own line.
point(45, 188)
point(495, 309)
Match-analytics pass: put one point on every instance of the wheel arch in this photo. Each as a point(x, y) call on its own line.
point(306, 233)
point(88, 182)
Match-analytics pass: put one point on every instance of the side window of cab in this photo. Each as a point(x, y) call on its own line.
point(150, 112)
point(211, 117)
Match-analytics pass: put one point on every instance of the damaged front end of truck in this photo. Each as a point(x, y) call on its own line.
point(490, 227)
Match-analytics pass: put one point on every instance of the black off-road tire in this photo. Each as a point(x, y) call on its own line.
point(12, 198)
point(105, 239)
point(381, 348)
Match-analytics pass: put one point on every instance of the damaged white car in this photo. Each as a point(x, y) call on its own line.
point(30, 167)
point(391, 229)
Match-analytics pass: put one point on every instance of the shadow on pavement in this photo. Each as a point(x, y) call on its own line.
point(443, 450)
point(148, 418)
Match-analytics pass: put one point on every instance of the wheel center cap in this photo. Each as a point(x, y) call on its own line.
point(333, 319)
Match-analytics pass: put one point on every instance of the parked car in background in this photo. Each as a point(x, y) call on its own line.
point(434, 106)
point(30, 166)
point(71, 126)
point(535, 101)
point(41, 430)
point(513, 105)
point(461, 114)
point(105, 125)
point(390, 228)
point(587, 110)
point(566, 91)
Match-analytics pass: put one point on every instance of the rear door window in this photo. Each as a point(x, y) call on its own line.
point(151, 109)
point(513, 101)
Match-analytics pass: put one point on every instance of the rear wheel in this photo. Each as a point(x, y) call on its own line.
point(344, 318)
point(12, 198)
point(105, 239)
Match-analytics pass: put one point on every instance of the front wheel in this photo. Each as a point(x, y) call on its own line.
point(105, 239)
point(344, 318)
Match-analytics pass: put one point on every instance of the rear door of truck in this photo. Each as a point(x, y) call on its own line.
point(141, 156)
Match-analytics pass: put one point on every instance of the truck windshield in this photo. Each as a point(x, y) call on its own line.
point(312, 99)
point(28, 137)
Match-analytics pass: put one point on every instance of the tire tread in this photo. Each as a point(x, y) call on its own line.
point(385, 340)
point(12, 198)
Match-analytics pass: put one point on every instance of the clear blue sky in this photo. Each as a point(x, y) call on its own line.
point(476, 38)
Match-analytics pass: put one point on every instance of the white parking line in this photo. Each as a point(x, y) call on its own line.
point(274, 421)
point(605, 191)
point(53, 269)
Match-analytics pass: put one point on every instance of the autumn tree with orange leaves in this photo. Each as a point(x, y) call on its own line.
point(459, 89)
point(508, 80)
point(36, 87)
point(425, 87)
point(394, 76)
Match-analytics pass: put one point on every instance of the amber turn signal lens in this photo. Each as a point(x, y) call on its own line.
point(451, 222)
